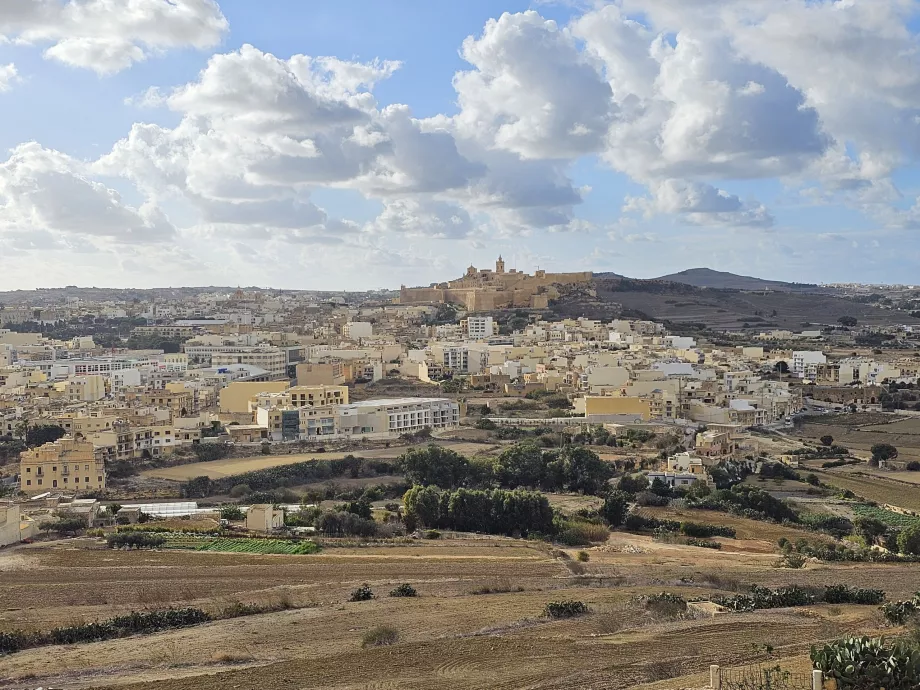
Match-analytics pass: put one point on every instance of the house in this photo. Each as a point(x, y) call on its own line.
point(676, 479)
point(264, 518)
point(15, 527)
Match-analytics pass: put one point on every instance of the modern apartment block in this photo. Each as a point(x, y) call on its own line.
point(379, 418)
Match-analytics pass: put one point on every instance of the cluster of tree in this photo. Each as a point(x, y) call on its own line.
point(572, 468)
point(345, 524)
point(106, 333)
point(495, 511)
point(747, 501)
point(135, 540)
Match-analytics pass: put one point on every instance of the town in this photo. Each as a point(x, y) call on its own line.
point(309, 426)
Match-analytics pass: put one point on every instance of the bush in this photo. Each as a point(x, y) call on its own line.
point(565, 609)
point(765, 598)
point(705, 544)
point(900, 612)
point(859, 663)
point(240, 490)
point(135, 540)
point(694, 529)
point(233, 513)
point(666, 605)
point(794, 561)
point(843, 594)
point(582, 557)
point(404, 590)
point(909, 540)
point(363, 593)
point(432, 534)
point(121, 626)
point(913, 466)
point(380, 636)
point(583, 533)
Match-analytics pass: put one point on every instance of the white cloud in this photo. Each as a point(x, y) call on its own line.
point(9, 75)
point(532, 92)
point(42, 189)
point(110, 35)
point(700, 204)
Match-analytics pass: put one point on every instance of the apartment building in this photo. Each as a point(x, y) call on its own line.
point(478, 327)
point(356, 330)
point(271, 359)
point(67, 463)
point(379, 418)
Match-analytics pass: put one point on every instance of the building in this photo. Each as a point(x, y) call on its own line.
point(234, 399)
point(330, 373)
point(356, 330)
point(478, 327)
point(486, 290)
point(68, 463)
point(272, 359)
point(14, 527)
point(676, 479)
point(378, 418)
point(264, 518)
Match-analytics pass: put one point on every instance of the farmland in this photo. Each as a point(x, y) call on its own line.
point(237, 545)
point(218, 469)
point(453, 634)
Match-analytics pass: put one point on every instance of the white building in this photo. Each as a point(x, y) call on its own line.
point(480, 327)
point(378, 418)
point(805, 363)
point(356, 330)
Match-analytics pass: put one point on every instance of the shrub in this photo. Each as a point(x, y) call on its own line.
point(404, 590)
point(765, 598)
point(666, 605)
point(704, 543)
point(582, 557)
point(909, 540)
point(900, 612)
point(694, 529)
point(843, 594)
point(792, 560)
point(860, 662)
point(233, 513)
point(913, 466)
point(135, 540)
point(432, 534)
point(363, 593)
point(565, 609)
point(380, 636)
point(647, 498)
point(583, 533)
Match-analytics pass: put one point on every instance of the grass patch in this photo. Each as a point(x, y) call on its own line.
point(381, 636)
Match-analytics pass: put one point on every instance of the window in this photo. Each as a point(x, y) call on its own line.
point(87, 480)
point(28, 482)
point(99, 479)
point(54, 469)
point(39, 482)
point(54, 483)
point(28, 470)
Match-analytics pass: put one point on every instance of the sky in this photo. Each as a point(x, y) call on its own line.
point(371, 143)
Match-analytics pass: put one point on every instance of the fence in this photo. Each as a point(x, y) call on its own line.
point(764, 678)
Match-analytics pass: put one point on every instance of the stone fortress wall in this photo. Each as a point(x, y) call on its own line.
point(486, 290)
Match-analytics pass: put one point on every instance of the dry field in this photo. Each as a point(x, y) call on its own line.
point(232, 466)
point(449, 637)
point(859, 432)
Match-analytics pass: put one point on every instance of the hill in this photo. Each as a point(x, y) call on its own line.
point(721, 280)
point(721, 309)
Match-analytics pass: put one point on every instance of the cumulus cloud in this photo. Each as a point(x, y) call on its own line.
point(532, 90)
point(9, 75)
point(43, 189)
point(110, 35)
point(700, 204)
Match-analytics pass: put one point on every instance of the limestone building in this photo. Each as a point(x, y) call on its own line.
point(485, 289)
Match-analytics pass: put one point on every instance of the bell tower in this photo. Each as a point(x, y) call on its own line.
point(500, 265)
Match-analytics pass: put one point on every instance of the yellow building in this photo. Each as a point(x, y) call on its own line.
point(83, 425)
point(321, 374)
point(317, 396)
point(607, 405)
point(234, 399)
point(67, 463)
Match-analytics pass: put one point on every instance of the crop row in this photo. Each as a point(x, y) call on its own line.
point(889, 517)
point(256, 546)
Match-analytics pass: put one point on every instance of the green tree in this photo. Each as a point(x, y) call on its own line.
point(827, 440)
point(521, 465)
point(435, 466)
point(848, 321)
point(869, 528)
point(46, 433)
point(423, 506)
point(884, 451)
point(909, 540)
point(615, 508)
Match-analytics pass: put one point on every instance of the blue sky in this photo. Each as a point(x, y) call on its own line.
point(372, 143)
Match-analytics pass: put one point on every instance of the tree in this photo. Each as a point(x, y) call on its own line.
point(848, 321)
point(435, 466)
point(615, 508)
point(520, 465)
point(909, 540)
point(869, 528)
point(884, 451)
point(781, 367)
point(827, 440)
point(46, 433)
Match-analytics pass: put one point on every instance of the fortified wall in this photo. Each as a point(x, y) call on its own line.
point(487, 290)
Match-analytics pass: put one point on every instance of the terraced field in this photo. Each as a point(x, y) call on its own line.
point(450, 636)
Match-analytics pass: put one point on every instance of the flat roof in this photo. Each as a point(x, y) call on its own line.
point(396, 401)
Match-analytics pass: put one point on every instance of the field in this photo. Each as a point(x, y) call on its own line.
point(232, 466)
point(235, 545)
point(450, 636)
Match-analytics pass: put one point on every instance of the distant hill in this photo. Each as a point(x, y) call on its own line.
point(720, 280)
